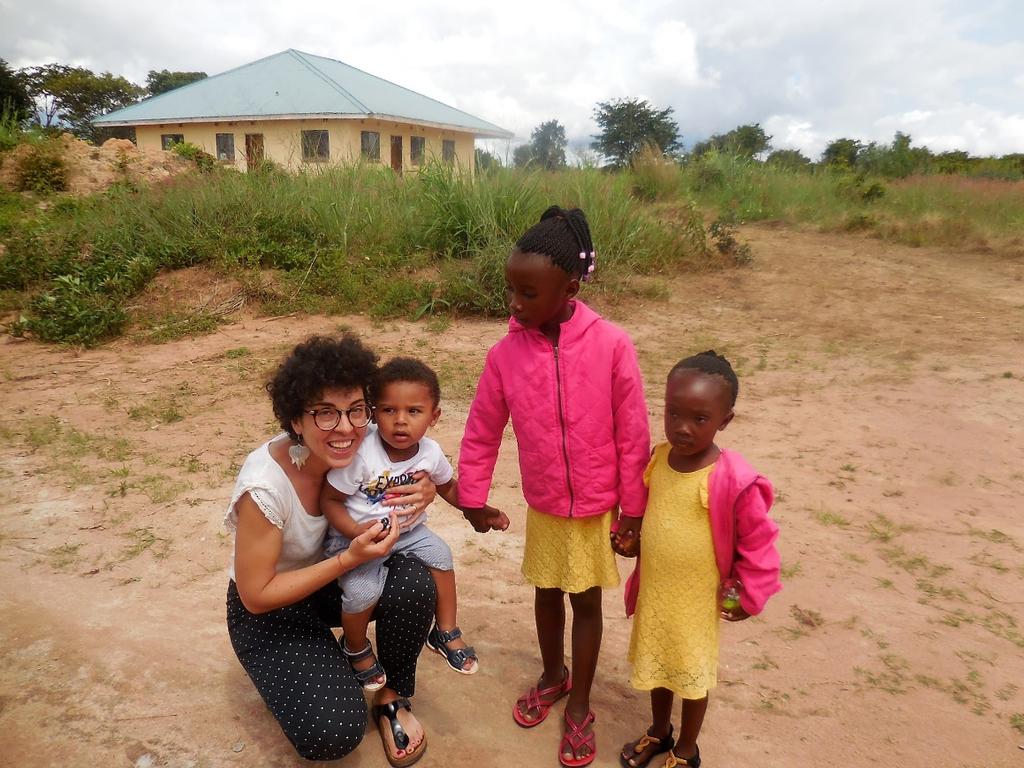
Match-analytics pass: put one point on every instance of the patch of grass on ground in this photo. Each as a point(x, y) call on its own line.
point(829, 518)
point(160, 489)
point(141, 540)
point(64, 556)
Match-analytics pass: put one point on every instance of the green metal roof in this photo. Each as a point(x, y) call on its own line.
point(293, 84)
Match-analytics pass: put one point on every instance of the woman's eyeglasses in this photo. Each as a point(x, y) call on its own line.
point(327, 418)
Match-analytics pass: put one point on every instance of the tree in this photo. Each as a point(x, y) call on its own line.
point(548, 140)
point(1015, 160)
point(895, 161)
point(485, 161)
point(953, 162)
point(522, 155)
point(742, 141)
point(73, 96)
point(842, 152)
point(546, 148)
point(790, 159)
point(629, 125)
point(14, 96)
point(163, 81)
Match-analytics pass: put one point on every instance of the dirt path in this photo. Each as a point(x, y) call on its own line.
point(882, 389)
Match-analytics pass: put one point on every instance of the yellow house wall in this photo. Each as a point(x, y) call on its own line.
point(282, 139)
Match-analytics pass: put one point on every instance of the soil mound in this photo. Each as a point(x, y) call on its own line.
point(93, 169)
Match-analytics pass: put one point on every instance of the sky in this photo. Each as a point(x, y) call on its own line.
point(951, 74)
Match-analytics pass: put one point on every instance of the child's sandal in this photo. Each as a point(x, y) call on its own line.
point(646, 741)
point(541, 700)
point(437, 641)
point(674, 761)
point(365, 677)
point(574, 740)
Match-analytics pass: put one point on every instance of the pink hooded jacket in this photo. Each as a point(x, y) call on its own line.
point(578, 412)
point(743, 533)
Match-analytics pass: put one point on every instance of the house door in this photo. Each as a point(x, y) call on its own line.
point(396, 154)
point(253, 150)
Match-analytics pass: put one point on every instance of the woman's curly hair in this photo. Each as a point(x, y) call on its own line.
point(317, 364)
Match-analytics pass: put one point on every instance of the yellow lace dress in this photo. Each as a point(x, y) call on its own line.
point(675, 628)
point(570, 554)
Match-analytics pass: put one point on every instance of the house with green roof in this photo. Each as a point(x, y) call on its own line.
point(299, 109)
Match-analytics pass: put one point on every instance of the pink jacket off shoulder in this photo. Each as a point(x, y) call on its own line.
point(579, 416)
point(743, 533)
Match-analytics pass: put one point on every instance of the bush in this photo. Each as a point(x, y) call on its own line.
point(10, 130)
point(859, 187)
point(655, 177)
point(723, 235)
point(73, 312)
point(42, 168)
point(203, 161)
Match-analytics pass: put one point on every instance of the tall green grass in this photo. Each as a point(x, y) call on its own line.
point(919, 210)
point(347, 239)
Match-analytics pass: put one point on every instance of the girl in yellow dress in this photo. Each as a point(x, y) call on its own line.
point(706, 523)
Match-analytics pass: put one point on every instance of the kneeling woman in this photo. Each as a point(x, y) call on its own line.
point(283, 597)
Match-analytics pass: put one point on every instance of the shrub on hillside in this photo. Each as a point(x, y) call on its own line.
point(655, 177)
point(860, 187)
point(723, 235)
point(41, 168)
point(203, 160)
point(10, 130)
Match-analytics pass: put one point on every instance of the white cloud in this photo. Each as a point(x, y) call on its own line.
point(809, 72)
point(789, 132)
point(674, 53)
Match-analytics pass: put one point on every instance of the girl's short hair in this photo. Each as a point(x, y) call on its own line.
point(564, 237)
point(713, 364)
point(315, 365)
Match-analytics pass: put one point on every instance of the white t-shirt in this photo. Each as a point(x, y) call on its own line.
point(372, 473)
point(265, 481)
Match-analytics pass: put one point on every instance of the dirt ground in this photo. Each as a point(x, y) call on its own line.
point(882, 389)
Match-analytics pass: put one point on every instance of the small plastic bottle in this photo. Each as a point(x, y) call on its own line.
point(729, 595)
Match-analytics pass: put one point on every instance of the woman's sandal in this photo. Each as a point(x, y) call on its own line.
point(575, 739)
point(645, 742)
point(541, 699)
point(437, 641)
point(398, 734)
point(673, 761)
point(365, 676)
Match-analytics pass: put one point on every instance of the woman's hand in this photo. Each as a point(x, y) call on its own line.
point(376, 541)
point(411, 501)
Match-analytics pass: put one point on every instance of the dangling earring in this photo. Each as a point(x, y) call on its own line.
point(299, 452)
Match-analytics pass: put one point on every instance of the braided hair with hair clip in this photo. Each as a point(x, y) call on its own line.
point(564, 237)
point(713, 364)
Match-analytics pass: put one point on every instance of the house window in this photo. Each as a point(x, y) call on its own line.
point(316, 146)
point(417, 149)
point(226, 147)
point(168, 140)
point(369, 143)
point(448, 151)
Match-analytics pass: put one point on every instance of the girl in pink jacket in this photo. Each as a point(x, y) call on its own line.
point(708, 552)
point(570, 381)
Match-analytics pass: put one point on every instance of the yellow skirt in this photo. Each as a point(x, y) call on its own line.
point(572, 554)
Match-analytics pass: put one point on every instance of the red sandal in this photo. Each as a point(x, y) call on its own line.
point(540, 699)
point(575, 739)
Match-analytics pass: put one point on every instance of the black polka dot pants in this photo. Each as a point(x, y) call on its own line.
point(403, 617)
point(297, 666)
